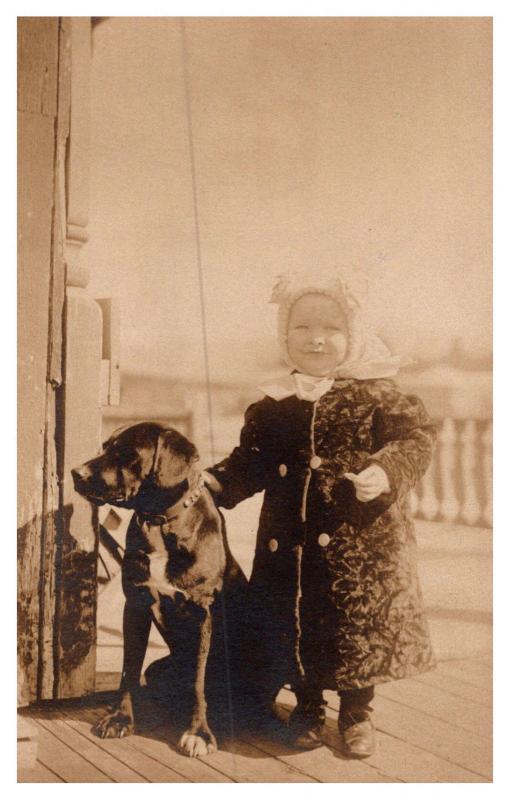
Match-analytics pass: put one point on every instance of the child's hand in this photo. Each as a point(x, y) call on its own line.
point(369, 483)
point(211, 482)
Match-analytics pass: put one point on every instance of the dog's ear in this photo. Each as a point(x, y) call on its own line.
point(173, 458)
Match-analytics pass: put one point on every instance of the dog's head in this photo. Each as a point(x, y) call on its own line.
point(141, 467)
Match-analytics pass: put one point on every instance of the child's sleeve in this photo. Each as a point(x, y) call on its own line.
point(243, 472)
point(405, 436)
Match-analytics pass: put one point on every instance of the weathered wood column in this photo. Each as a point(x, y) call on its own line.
point(60, 351)
point(81, 404)
point(40, 300)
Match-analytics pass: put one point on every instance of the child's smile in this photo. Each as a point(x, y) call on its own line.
point(316, 334)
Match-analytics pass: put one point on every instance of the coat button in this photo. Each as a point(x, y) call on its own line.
point(282, 469)
point(324, 539)
point(273, 545)
point(315, 462)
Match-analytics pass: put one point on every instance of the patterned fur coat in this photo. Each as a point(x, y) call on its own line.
point(334, 592)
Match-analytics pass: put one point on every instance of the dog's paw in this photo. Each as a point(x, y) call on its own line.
point(199, 743)
point(114, 726)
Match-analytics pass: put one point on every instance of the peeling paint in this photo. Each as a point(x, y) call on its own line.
point(78, 628)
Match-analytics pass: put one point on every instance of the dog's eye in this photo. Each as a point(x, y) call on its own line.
point(124, 456)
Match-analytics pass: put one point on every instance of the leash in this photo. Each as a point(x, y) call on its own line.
point(198, 239)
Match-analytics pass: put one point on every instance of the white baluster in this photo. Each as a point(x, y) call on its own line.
point(487, 473)
point(471, 474)
point(429, 503)
point(447, 457)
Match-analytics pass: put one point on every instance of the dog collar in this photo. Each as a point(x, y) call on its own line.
point(188, 499)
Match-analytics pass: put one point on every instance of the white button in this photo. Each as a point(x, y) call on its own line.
point(315, 462)
point(273, 545)
point(324, 539)
point(282, 469)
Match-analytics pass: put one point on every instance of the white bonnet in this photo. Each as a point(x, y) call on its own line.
point(367, 356)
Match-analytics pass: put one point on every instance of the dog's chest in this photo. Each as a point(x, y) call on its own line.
point(158, 580)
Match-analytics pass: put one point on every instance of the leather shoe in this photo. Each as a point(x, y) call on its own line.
point(305, 725)
point(306, 740)
point(358, 738)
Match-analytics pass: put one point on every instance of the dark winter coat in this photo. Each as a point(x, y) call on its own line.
point(334, 592)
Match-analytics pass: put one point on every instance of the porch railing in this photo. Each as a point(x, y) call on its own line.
point(457, 487)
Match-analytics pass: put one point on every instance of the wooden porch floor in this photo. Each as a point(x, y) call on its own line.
point(433, 728)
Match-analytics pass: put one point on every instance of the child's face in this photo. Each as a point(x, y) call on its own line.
point(316, 334)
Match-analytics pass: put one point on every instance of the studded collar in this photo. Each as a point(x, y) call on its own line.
point(188, 498)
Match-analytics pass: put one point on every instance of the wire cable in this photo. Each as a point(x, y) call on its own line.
point(196, 217)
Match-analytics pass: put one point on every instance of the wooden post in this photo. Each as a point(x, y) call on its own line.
point(59, 340)
point(53, 517)
point(81, 404)
point(40, 298)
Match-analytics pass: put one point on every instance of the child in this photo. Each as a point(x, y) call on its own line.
point(335, 601)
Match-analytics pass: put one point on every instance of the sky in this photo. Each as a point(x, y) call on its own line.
point(346, 142)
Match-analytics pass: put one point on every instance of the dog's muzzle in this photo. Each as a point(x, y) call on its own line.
point(93, 489)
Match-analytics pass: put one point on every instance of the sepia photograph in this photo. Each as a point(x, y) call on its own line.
point(255, 399)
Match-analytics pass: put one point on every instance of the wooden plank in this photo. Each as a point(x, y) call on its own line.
point(35, 203)
point(76, 738)
point(159, 746)
point(243, 763)
point(111, 348)
point(236, 761)
point(469, 671)
point(439, 704)
point(479, 667)
point(58, 288)
point(126, 751)
point(80, 401)
point(54, 438)
point(156, 746)
point(394, 760)
point(436, 736)
point(39, 774)
point(41, 295)
point(240, 762)
point(476, 695)
point(78, 167)
point(64, 761)
point(405, 762)
point(49, 555)
point(37, 64)
point(232, 759)
point(77, 600)
point(76, 607)
point(326, 764)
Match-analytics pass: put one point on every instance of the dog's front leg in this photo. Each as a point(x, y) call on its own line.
point(198, 740)
point(136, 628)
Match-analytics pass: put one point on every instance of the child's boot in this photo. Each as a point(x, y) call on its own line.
point(357, 731)
point(307, 719)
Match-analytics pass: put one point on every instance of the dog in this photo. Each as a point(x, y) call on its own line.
point(178, 573)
